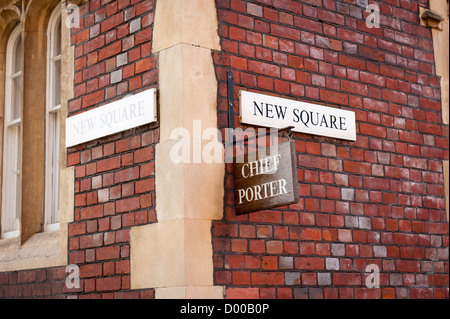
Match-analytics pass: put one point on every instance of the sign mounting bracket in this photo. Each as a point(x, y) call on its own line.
point(230, 99)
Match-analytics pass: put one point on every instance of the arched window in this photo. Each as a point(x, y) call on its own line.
point(12, 139)
point(53, 121)
point(35, 59)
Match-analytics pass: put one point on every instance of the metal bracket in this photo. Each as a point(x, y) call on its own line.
point(230, 99)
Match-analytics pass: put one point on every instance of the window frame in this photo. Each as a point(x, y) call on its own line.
point(53, 124)
point(11, 178)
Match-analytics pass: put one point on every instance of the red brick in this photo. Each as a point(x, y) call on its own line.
point(91, 270)
point(310, 263)
point(354, 87)
point(108, 283)
point(430, 104)
point(267, 278)
point(77, 229)
point(108, 164)
point(289, 5)
point(370, 53)
point(237, 34)
point(411, 137)
point(144, 155)
point(238, 63)
point(295, 62)
point(372, 130)
point(126, 175)
point(357, 167)
point(93, 71)
point(145, 6)
point(414, 162)
point(285, 32)
point(438, 280)
point(374, 79)
point(110, 50)
point(302, 233)
point(264, 68)
point(107, 253)
point(93, 98)
point(309, 279)
point(144, 65)
point(92, 212)
point(126, 205)
point(421, 293)
point(346, 279)
point(146, 200)
point(352, 62)
point(303, 77)
point(392, 71)
point(111, 22)
point(145, 186)
point(368, 293)
point(334, 97)
point(90, 241)
point(412, 266)
point(242, 293)
point(94, 44)
point(269, 262)
point(395, 97)
point(350, 35)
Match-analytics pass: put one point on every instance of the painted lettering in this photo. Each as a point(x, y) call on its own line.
point(269, 109)
point(267, 165)
point(281, 111)
point(115, 117)
point(263, 191)
point(256, 107)
point(343, 126)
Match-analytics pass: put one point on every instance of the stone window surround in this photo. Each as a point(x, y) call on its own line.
point(33, 248)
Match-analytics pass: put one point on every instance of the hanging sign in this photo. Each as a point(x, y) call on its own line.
point(264, 180)
point(119, 116)
point(269, 111)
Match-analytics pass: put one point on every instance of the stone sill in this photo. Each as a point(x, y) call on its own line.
point(40, 251)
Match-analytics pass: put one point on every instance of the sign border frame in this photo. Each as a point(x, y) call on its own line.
point(353, 137)
point(293, 174)
point(71, 143)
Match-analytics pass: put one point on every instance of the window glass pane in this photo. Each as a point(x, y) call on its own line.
point(55, 125)
point(53, 165)
point(53, 121)
point(16, 98)
point(11, 173)
point(13, 187)
point(17, 64)
point(16, 217)
point(16, 172)
point(57, 38)
point(56, 83)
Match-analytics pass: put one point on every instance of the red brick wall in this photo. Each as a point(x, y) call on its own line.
point(114, 176)
point(379, 200)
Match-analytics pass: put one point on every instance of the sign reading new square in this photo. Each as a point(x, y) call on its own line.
point(269, 111)
point(127, 113)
